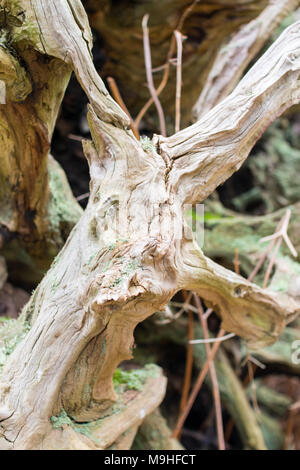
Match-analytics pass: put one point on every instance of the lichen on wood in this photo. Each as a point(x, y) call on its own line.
point(110, 275)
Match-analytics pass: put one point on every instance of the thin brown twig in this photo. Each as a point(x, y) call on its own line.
point(197, 387)
point(293, 410)
point(261, 261)
point(256, 363)
point(189, 362)
point(251, 371)
point(78, 138)
point(230, 424)
point(271, 263)
point(212, 340)
point(289, 429)
point(236, 261)
point(184, 306)
point(213, 377)
point(208, 312)
point(178, 37)
point(117, 96)
point(282, 233)
point(166, 74)
point(148, 66)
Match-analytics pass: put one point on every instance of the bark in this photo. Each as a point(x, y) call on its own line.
point(37, 208)
point(126, 257)
point(206, 24)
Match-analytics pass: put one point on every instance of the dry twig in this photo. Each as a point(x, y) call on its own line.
point(236, 261)
point(189, 361)
point(179, 38)
point(83, 196)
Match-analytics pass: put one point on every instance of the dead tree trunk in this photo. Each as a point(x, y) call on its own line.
point(128, 255)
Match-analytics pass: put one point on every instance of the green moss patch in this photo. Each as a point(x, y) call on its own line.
point(133, 379)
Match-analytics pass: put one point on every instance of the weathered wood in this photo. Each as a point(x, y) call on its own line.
point(206, 24)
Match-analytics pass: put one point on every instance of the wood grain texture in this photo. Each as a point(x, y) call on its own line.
point(207, 25)
point(125, 258)
point(237, 52)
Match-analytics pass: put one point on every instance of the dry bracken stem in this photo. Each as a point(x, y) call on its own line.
point(213, 377)
point(236, 261)
point(197, 387)
point(212, 340)
point(293, 410)
point(82, 197)
point(282, 233)
point(148, 66)
point(77, 138)
point(208, 312)
point(264, 255)
point(261, 261)
point(251, 371)
point(230, 425)
point(189, 361)
point(179, 38)
point(117, 96)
